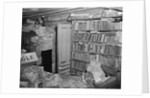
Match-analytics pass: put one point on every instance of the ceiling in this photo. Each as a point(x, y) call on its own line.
point(29, 12)
point(35, 11)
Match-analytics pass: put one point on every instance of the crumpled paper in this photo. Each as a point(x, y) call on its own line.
point(95, 68)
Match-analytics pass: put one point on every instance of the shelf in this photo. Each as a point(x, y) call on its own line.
point(95, 53)
point(111, 56)
point(86, 52)
point(79, 60)
point(99, 30)
point(80, 51)
point(98, 43)
point(96, 18)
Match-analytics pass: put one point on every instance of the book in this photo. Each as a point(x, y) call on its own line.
point(91, 38)
point(95, 37)
point(99, 37)
point(88, 25)
point(102, 38)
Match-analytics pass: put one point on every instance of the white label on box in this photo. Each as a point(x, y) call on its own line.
point(28, 58)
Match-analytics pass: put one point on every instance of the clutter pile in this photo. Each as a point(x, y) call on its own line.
point(34, 76)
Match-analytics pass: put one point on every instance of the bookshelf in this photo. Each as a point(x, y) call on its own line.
point(99, 38)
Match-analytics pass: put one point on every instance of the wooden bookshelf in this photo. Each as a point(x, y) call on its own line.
point(109, 50)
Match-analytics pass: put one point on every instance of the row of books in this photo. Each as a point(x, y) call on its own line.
point(80, 56)
point(86, 58)
point(100, 25)
point(115, 62)
point(106, 13)
point(81, 66)
point(76, 72)
point(98, 37)
point(111, 62)
point(107, 50)
point(78, 65)
point(113, 51)
point(100, 14)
